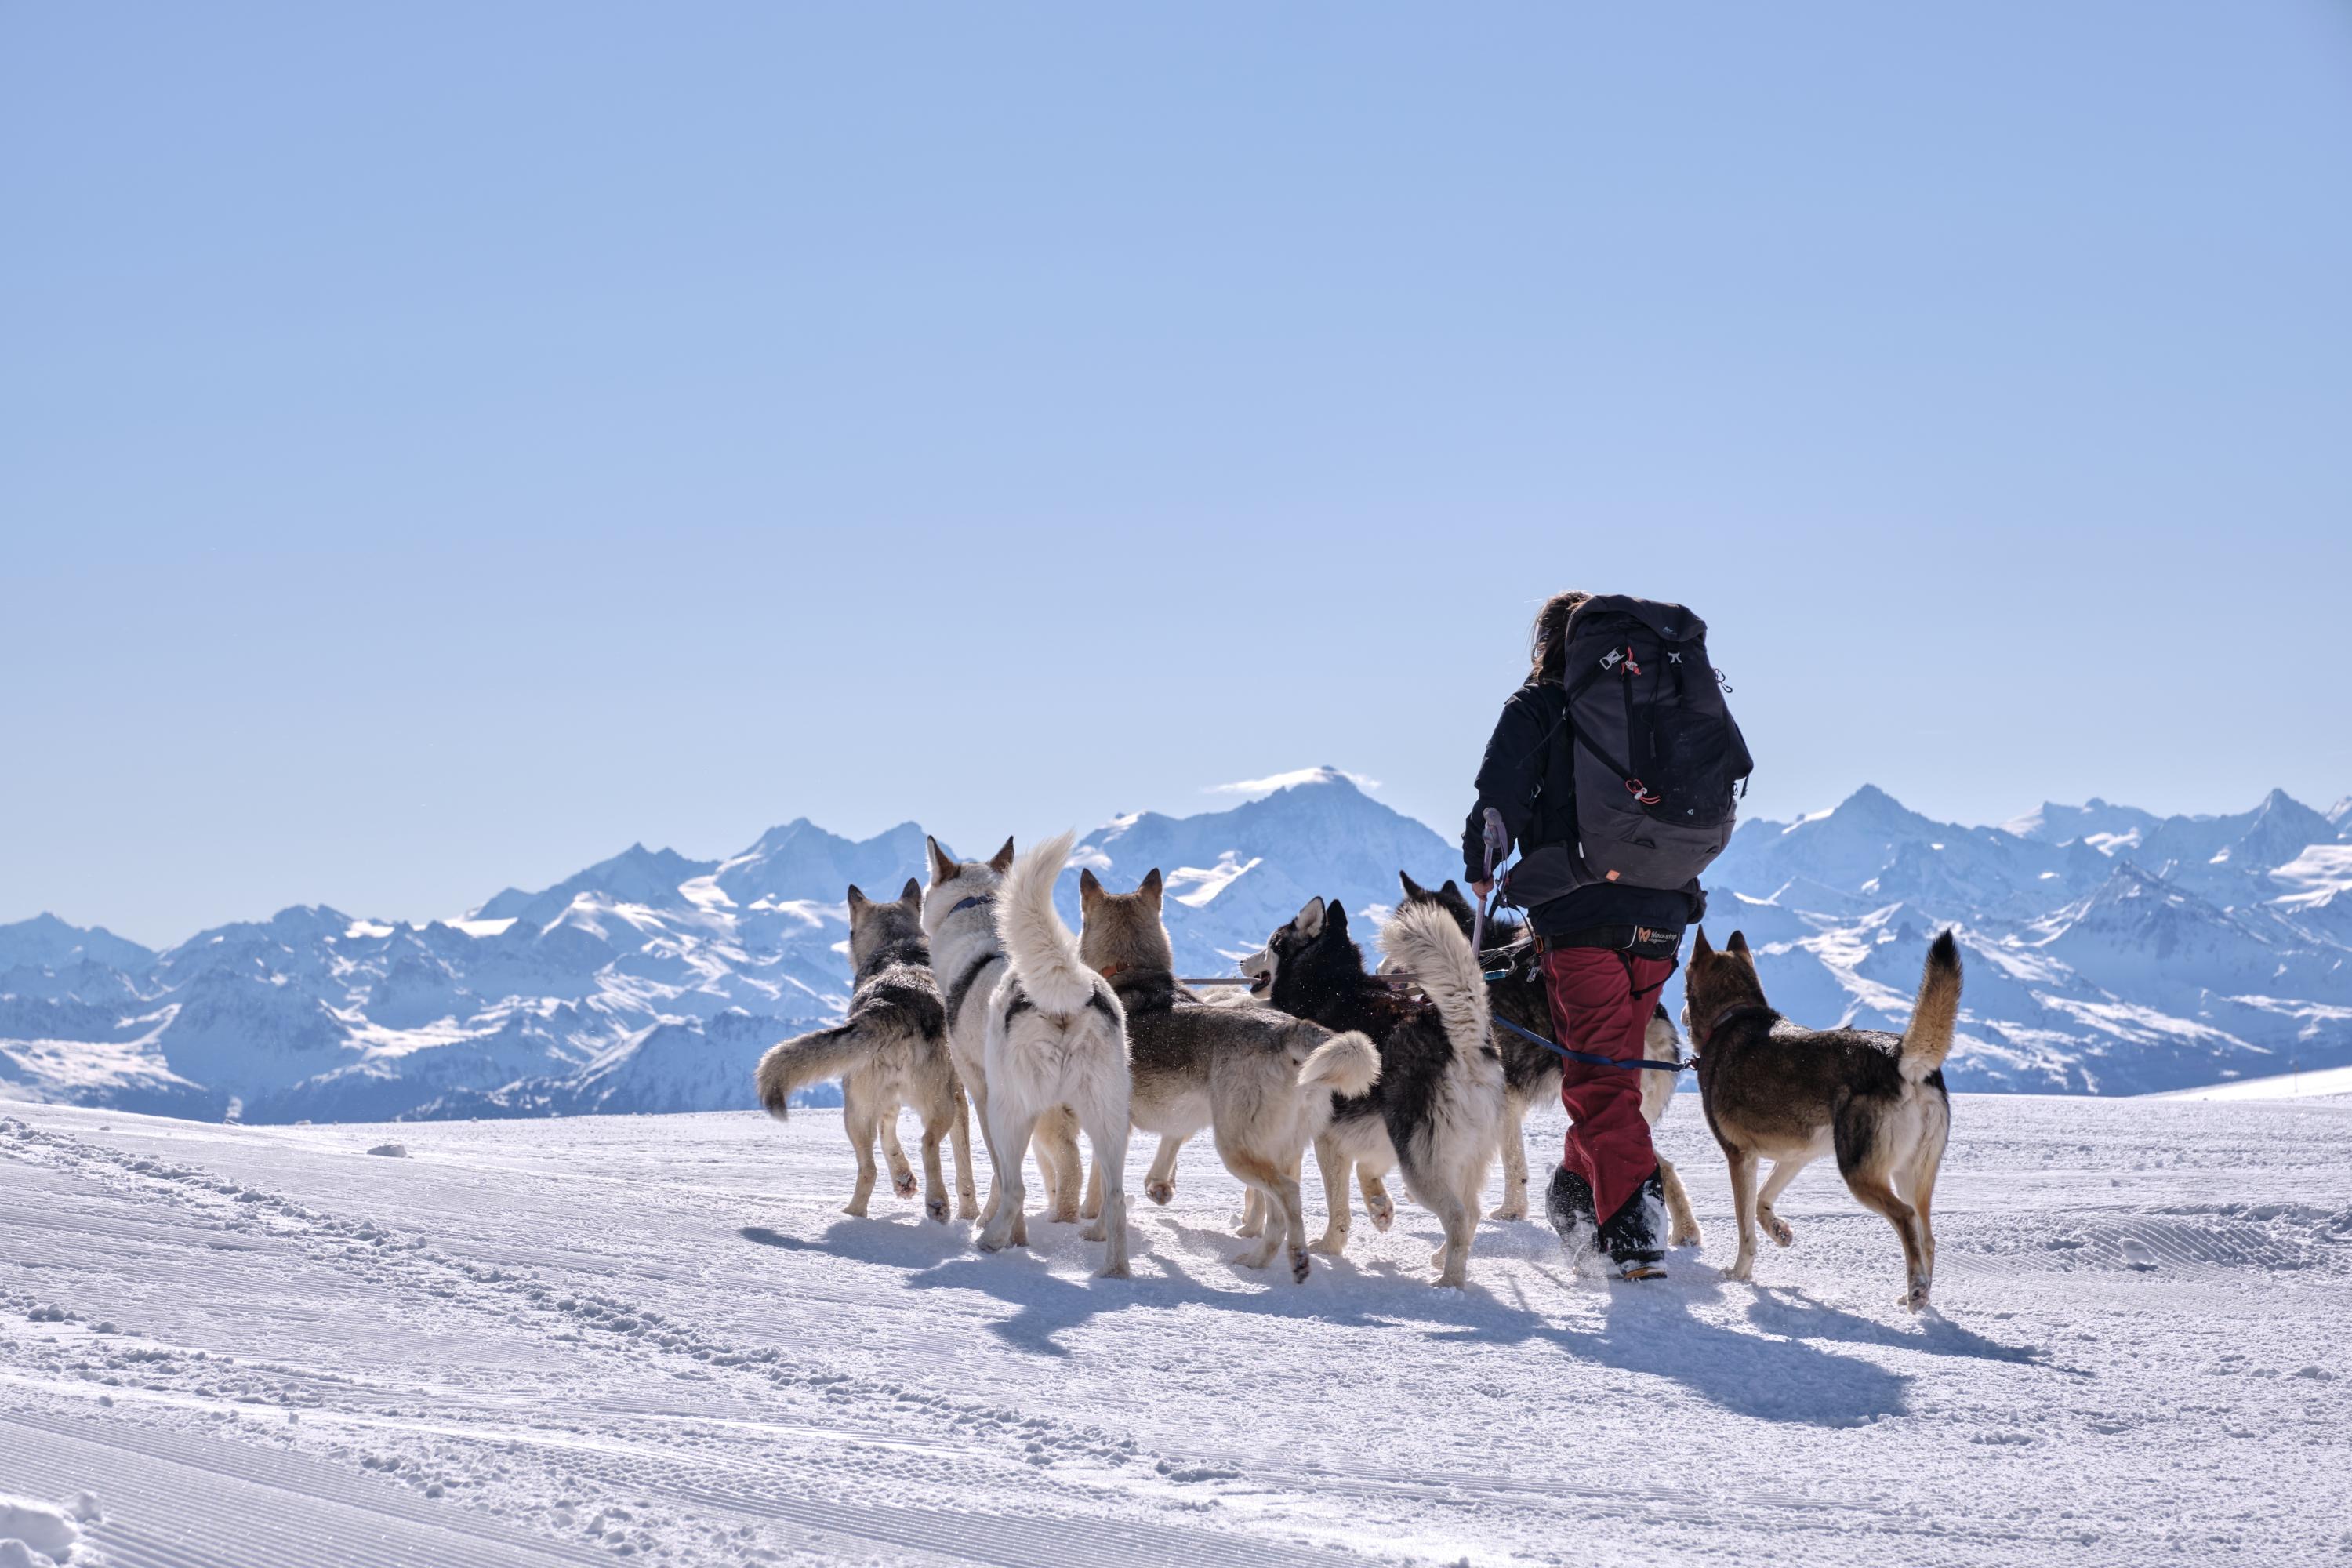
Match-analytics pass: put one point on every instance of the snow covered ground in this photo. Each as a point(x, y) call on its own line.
point(2326, 1082)
point(655, 1337)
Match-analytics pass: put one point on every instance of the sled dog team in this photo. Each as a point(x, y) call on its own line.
point(974, 985)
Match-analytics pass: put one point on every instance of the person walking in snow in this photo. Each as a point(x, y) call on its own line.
point(1612, 770)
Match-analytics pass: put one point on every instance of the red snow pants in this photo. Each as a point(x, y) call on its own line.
point(1601, 1002)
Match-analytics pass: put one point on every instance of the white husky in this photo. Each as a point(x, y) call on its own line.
point(1056, 1036)
point(960, 918)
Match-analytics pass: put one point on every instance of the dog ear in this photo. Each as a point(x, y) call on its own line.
point(1451, 891)
point(941, 866)
point(1150, 885)
point(1699, 949)
point(1001, 861)
point(1311, 918)
point(1412, 889)
point(912, 893)
point(1737, 946)
point(858, 900)
point(1336, 917)
point(1089, 885)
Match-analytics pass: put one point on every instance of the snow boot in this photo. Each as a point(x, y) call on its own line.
point(1570, 1206)
point(1635, 1234)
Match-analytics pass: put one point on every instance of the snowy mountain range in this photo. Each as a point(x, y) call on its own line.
point(2109, 951)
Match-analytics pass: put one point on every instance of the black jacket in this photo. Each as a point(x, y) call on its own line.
point(1525, 778)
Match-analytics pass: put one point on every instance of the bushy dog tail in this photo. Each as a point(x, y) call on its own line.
point(808, 1058)
point(1347, 1063)
point(1928, 1040)
point(1042, 952)
point(1426, 944)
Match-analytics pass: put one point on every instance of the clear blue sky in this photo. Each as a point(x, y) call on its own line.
point(439, 444)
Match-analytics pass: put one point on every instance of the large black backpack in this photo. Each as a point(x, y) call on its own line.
point(1654, 752)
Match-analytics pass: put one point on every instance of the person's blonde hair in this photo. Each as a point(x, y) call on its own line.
point(1547, 642)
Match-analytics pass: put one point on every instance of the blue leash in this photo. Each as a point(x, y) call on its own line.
point(1599, 1061)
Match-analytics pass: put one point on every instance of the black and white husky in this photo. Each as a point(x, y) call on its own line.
point(1531, 1074)
point(960, 918)
point(1435, 1109)
point(1056, 1036)
point(1262, 1080)
point(892, 1050)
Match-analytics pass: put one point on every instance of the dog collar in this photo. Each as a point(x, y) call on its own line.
point(1736, 1010)
point(972, 902)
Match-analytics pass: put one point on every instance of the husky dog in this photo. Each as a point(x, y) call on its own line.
point(1263, 1080)
point(1530, 1073)
point(1774, 1091)
point(960, 918)
point(1055, 1036)
point(1440, 1096)
point(892, 1050)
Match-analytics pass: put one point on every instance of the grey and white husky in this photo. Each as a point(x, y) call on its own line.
point(1439, 1100)
point(1259, 1078)
point(892, 1050)
point(1055, 1036)
point(960, 918)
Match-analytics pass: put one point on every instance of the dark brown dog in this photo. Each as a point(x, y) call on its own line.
point(1773, 1091)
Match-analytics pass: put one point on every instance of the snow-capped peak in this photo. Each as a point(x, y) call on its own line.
point(1297, 777)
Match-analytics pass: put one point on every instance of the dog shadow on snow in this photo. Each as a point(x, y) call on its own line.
point(1786, 1369)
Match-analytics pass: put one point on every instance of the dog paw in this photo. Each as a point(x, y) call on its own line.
point(987, 1243)
point(1299, 1266)
point(1331, 1243)
point(1453, 1279)
point(1511, 1211)
point(1098, 1231)
point(1159, 1192)
point(855, 1211)
point(1740, 1273)
point(1915, 1297)
point(1114, 1271)
point(1249, 1229)
point(1063, 1216)
point(1382, 1214)
point(903, 1185)
point(1686, 1235)
point(938, 1209)
point(967, 1210)
point(1437, 1258)
point(1778, 1229)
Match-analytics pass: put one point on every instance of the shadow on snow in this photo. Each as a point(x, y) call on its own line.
point(1777, 1372)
